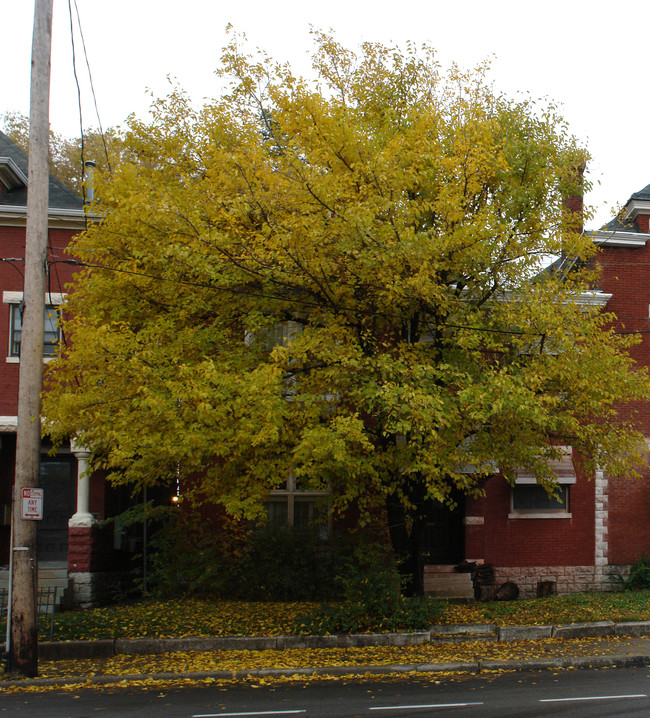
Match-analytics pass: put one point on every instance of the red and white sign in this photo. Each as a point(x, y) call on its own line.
point(32, 504)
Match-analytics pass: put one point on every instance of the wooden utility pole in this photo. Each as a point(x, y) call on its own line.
point(23, 651)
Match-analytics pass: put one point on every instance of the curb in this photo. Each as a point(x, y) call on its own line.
point(478, 667)
point(66, 650)
point(69, 650)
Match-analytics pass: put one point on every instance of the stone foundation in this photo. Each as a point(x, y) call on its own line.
point(89, 590)
point(567, 579)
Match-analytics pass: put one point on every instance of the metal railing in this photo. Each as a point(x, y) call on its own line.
point(46, 604)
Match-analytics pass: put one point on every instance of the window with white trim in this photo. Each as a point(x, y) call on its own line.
point(51, 325)
point(278, 335)
point(51, 330)
point(294, 506)
point(530, 500)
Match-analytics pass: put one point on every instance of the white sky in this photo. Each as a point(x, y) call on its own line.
point(588, 55)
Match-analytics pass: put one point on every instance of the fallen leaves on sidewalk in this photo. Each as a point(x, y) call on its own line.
point(208, 661)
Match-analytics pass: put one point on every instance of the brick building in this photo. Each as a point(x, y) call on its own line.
point(72, 551)
point(602, 523)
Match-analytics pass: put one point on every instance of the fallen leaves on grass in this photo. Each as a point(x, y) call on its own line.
point(186, 617)
point(178, 619)
point(554, 610)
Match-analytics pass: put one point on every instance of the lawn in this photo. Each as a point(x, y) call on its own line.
point(206, 617)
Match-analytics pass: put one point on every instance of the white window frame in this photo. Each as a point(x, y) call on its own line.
point(566, 476)
point(292, 495)
point(278, 334)
point(51, 299)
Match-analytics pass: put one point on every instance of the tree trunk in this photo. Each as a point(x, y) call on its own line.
point(407, 545)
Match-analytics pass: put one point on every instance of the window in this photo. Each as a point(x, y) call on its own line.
point(529, 500)
point(278, 335)
point(292, 506)
point(535, 499)
point(51, 332)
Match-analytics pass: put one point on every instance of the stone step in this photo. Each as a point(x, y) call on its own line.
point(440, 568)
point(448, 584)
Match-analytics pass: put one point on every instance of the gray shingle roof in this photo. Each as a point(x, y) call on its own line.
point(617, 225)
point(60, 196)
point(641, 194)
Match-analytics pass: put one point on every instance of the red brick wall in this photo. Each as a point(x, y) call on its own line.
point(90, 549)
point(629, 519)
point(12, 245)
point(625, 274)
point(531, 542)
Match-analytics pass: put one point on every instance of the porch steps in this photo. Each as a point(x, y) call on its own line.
point(51, 574)
point(441, 581)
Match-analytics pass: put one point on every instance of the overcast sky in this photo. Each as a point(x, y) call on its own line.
point(588, 55)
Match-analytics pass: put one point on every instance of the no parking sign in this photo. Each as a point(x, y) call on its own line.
point(32, 504)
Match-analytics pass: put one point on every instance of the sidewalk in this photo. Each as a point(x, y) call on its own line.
point(475, 648)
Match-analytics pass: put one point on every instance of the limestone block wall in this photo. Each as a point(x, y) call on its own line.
point(568, 579)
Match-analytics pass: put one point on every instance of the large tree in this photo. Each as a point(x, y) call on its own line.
point(393, 221)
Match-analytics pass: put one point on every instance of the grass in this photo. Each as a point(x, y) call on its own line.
point(207, 617)
point(554, 610)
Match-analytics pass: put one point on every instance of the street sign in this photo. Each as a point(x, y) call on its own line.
point(32, 504)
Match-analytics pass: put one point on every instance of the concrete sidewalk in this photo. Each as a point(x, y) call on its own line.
point(613, 645)
point(69, 650)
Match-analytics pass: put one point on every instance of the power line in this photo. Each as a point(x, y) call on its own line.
point(76, 79)
point(92, 87)
point(294, 300)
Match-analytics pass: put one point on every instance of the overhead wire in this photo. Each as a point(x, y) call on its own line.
point(293, 300)
point(76, 79)
point(92, 87)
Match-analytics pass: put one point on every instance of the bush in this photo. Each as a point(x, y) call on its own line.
point(372, 601)
point(639, 577)
point(221, 556)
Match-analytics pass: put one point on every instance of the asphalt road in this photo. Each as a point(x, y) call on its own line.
point(574, 694)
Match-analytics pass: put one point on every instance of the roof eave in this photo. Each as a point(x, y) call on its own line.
point(11, 175)
point(57, 217)
point(635, 207)
point(595, 298)
point(618, 238)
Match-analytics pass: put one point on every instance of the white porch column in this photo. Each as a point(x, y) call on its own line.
point(82, 518)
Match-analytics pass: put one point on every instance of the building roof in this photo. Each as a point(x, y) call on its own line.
point(641, 194)
point(617, 225)
point(626, 220)
point(13, 177)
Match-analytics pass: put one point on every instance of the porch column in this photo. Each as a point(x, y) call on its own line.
point(82, 518)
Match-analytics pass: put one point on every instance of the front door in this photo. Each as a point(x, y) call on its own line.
point(57, 479)
point(444, 539)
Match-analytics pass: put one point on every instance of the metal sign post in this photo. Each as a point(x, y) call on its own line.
point(31, 509)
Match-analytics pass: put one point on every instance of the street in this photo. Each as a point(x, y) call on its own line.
point(618, 692)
